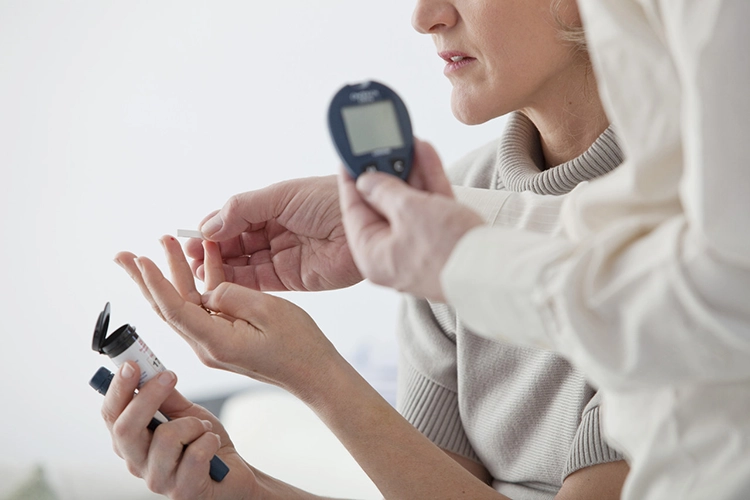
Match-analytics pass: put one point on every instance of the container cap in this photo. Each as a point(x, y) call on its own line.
point(101, 380)
point(100, 331)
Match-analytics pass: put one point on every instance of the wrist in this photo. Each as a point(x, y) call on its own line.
point(318, 382)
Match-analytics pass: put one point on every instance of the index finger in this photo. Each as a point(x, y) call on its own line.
point(120, 393)
point(244, 212)
point(182, 275)
point(213, 266)
point(189, 320)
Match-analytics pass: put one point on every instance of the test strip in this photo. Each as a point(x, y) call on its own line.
point(189, 233)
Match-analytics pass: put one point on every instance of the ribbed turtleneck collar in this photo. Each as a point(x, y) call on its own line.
point(521, 163)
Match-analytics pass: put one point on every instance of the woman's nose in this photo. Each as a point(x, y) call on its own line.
point(431, 16)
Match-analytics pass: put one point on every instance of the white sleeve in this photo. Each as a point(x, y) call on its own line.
point(651, 297)
point(520, 210)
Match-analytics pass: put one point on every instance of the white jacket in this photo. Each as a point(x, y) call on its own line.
point(647, 285)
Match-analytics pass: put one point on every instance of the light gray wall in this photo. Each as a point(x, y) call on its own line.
point(121, 121)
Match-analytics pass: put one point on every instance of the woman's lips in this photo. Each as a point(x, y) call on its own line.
point(454, 60)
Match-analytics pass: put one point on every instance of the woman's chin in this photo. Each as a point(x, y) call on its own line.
point(469, 112)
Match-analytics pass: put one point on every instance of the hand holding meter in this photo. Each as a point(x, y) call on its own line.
point(370, 127)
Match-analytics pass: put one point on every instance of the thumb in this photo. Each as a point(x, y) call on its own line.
point(242, 212)
point(387, 194)
point(257, 308)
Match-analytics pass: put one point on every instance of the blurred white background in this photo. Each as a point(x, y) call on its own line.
point(121, 121)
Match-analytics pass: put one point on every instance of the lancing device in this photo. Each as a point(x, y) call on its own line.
point(371, 129)
point(101, 380)
point(123, 345)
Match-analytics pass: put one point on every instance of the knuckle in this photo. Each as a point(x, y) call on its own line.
point(133, 469)
point(198, 456)
point(232, 206)
point(221, 291)
point(170, 316)
point(108, 416)
point(406, 204)
point(156, 309)
point(166, 434)
point(156, 483)
point(182, 492)
point(120, 432)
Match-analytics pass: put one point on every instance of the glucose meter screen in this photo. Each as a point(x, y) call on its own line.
point(371, 127)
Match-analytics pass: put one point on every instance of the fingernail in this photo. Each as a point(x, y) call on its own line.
point(207, 425)
point(212, 225)
point(166, 378)
point(138, 264)
point(126, 370)
point(117, 261)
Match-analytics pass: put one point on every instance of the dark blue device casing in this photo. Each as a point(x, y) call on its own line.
point(393, 160)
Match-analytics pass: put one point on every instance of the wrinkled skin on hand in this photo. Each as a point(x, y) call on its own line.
point(402, 234)
point(249, 332)
point(174, 459)
point(287, 236)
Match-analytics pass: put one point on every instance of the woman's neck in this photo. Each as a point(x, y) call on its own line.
point(570, 118)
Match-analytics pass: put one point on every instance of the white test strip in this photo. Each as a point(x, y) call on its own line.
point(189, 233)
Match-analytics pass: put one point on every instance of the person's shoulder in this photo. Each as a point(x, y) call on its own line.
point(476, 169)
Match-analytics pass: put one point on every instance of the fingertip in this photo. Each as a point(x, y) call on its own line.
point(120, 257)
point(365, 183)
point(207, 218)
point(171, 245)
point(212, 226)
point(167, 378)
point(123, 384)
point(200, 272)
point(368, 182)
point(127, 370)
point(194, 248)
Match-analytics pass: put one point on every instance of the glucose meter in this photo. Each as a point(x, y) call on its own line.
point(370, 127)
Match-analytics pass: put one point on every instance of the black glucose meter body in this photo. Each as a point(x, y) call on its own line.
point(370, 127)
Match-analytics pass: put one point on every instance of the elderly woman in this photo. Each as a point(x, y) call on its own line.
point(519, 419)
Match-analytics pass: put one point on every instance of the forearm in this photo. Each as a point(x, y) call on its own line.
point(271, 488)
point(399, 459)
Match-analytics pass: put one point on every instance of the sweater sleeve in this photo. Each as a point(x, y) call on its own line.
point(589, 446)
point(428, 385)
point(647, 282)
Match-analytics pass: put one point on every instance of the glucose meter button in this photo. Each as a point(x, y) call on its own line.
point(371, 168)
point(399, 166)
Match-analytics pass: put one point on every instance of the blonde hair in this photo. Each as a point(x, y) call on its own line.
point(568, 32)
